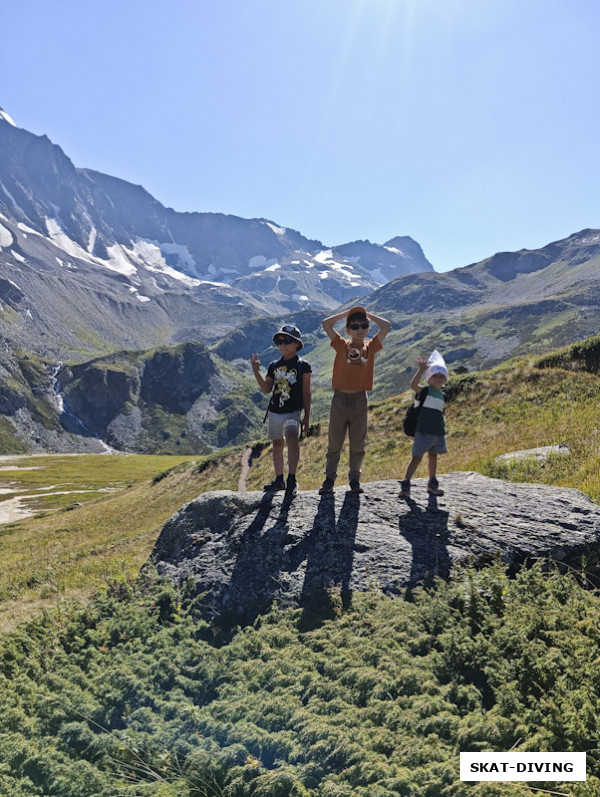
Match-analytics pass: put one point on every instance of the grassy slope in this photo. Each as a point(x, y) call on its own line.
point(69, 549)
point(72, 549)
point(130, 697)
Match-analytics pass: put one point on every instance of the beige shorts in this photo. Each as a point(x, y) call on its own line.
point(282, 423)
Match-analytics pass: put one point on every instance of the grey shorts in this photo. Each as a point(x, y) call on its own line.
point(281, 423)
point(428, 442)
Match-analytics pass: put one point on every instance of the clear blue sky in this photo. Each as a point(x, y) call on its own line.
point(471, 125)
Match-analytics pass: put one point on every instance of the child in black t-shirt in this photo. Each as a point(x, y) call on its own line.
point(288, 379)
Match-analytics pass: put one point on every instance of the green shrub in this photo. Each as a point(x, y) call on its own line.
point(129, 696)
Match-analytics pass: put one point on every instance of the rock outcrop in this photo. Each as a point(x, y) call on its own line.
point(246, 550)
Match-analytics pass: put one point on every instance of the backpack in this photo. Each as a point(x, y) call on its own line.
point(409, 424)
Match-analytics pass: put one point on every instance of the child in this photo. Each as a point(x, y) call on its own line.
point(431, 430)
point(289, 380)
point(352, 378)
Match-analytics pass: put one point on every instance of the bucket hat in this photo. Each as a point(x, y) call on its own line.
point(291, 331)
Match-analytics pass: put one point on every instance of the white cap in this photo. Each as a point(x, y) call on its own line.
point(435, 365)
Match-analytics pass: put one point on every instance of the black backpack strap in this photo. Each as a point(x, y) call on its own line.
point(420, 398)
point(269, 404)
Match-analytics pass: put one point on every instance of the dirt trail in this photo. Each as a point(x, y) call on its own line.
point(245, 463)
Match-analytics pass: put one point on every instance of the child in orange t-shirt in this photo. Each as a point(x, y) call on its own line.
point(352, 378)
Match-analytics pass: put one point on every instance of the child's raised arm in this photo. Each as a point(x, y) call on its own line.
point(266, 385)
point(422, 363)
point(383, 324)
point(329, 322)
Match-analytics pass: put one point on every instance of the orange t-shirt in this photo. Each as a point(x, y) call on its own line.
point(352, 367)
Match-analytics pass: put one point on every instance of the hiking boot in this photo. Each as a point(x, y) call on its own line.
point(276, 484)
point(355, 486)
point(327, 486)
point(291, 488)
point(404, 488)
point(433, 487)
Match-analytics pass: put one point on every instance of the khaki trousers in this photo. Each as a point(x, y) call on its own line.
point(348, 412)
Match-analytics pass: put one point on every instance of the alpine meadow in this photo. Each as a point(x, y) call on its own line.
point(118, 683)
point(239, 243)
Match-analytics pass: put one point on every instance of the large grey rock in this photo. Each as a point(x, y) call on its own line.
point(245, 550)
point(540, 454)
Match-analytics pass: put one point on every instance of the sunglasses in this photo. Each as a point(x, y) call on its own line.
point(364, 325)
point(285, 340)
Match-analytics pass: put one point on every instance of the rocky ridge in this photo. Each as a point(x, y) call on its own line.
point(93, 263)
point(245, 551)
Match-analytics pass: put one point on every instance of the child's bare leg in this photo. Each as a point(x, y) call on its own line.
point(278, 456)
point(412, 466)
point(293, 451)
point(433, 486)
point(432, 462)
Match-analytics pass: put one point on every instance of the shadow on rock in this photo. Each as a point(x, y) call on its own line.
point(245, 551)
point(276, 563)
point(329, 554)
point(259, 562)
point(427, 532)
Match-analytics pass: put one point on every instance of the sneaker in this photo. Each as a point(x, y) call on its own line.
point(276, 484)
point(327, 486)
point(433, 487)
point(404, 488)
point(355, 486)
point(291, 488)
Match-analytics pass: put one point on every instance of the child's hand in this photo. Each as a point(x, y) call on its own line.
point(255, 362)
point(422, 363)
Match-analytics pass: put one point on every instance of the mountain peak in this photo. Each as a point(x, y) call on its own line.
point(6, 118)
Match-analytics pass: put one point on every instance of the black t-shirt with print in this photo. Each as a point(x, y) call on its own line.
point(287, 384)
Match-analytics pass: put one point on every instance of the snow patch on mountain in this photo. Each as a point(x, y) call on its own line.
point(127, 260)
point(589, 239)
point(6, 118)
point(277, 230)
point(60, 239)
point(29, 230)
point(260, 261)
point(344, 269)
point(6, 238)
point(394, 250)
point(92, 239)
point(180, 252)
point(324, 256)
point(119, 261)
point(151, 255)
